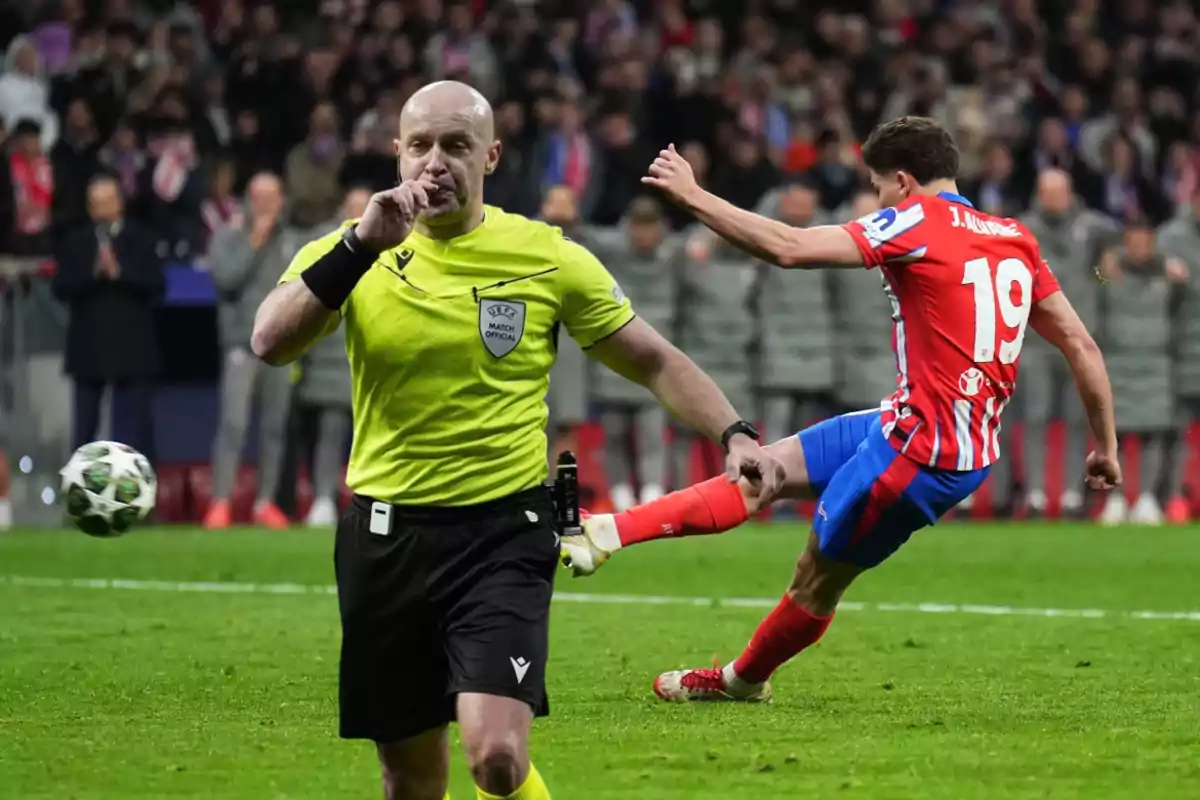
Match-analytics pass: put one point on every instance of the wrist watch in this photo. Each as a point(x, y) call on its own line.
point(741, 426)
point(354, 244)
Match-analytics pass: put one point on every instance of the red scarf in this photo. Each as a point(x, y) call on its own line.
point(33, 190)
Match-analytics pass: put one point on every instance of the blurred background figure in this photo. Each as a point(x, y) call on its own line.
point(1136, 326)
point(1180, 239)
point(6, 509)
point(862, 320)
point(247, 262)
point(1072, 238)
point(795, 339)
point(714, 327)
point(323, 391)
point(110, 276)
point(25, 91)
point(567, 399)
point(643, 258)
point(28, 192)
point(312, 170)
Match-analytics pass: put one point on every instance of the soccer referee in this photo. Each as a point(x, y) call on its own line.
point(445, 561)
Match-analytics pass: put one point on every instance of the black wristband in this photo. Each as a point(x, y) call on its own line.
point(333, 276)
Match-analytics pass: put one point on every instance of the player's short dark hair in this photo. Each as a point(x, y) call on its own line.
point(916, 145)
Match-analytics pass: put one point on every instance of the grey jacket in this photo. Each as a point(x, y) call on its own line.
point(794, 316)
point(245, 276)
point(715, 326)
point(1135, 334)
point(1181, 238)
point(651, 282)
point(1071, 245)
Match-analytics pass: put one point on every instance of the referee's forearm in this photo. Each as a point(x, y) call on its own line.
point(691, 396)
point(289, 320)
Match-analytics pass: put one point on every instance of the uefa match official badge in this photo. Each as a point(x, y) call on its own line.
point(501, 324)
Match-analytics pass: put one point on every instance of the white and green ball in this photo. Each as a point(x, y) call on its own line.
point(107, 488)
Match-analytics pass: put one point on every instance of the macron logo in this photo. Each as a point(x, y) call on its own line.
point(520, 666)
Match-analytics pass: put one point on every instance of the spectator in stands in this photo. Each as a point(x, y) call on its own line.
point(460, 52)
point(172, 187)
point(996, 191)
point(512, 186)
point(106, 85)
point(111, 277)
point(312, 170)
point(76, 161)
point(1180, 239)
point(371, 160)
point(1136, 330)
point(1052, 149)
point(862, 318)
point(1127, 192)
point(1071, 239)
point(220, 209)
point(123, 158)
point(832, 177)
point(623, 156)
point(748, 174)
point(715, 328)
point(246, 263)
point(25, 92)
point(565, 156)
point(29, 193)
point(643, 259)
point(214, 127)
point(324, 392)
point(567, 399)
point(250, 149)
point(794, 312)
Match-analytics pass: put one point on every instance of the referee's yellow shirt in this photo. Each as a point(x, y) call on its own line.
point(450, 344)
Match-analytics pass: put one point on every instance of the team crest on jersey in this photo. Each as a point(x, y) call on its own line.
point(970, 382)
point(888, 223)
point(501, 324)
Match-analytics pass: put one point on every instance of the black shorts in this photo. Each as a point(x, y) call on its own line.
point(451, 600)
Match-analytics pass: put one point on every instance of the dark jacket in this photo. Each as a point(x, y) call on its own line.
point(111, 333)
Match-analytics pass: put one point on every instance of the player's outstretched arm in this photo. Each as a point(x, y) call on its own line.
point(1056, 321)
point(641, 354)
point(766, 239)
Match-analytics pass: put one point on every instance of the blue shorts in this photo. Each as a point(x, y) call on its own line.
point(871, 498)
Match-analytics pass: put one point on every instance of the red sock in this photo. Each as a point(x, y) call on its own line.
point(710, 507)
point(785, 632)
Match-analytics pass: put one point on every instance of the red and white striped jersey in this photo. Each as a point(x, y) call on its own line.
point(962, 284)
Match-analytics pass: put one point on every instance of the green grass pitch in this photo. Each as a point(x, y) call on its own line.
point(1008, 661)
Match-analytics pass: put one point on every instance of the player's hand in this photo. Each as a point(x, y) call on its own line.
point(673, 174)
point(747, 460)
point(1101, 472)
point(390, 215)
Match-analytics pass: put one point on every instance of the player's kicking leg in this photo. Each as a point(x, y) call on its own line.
point(870, 507)
point(810, 460)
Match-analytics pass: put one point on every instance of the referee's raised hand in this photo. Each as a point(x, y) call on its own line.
point(390, 215)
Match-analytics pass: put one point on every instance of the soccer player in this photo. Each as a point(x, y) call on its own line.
point(445, 560)
point(963, 286)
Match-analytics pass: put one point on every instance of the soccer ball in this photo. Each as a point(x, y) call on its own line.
point(107, 488)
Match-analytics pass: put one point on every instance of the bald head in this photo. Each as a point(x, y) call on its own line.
point(264, 195)
point(1054, 192)
point(447, 137)
point(449, 100)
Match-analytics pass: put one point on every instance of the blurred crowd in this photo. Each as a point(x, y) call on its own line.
point(222, 132)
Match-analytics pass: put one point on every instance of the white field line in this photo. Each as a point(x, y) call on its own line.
point(222, 587)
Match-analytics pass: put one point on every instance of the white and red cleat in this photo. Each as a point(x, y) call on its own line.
point(715, 684)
